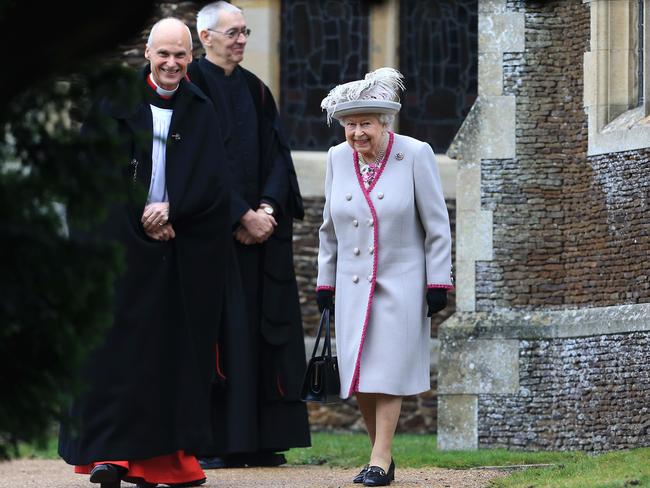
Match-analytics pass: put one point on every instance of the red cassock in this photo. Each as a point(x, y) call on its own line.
point(169, 469)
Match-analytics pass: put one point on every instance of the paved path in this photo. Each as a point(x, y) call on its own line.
point(28, 473)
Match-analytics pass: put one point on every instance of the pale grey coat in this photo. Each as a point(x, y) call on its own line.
point(380, 249)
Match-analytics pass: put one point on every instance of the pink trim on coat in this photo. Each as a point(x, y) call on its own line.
point(446, 287)
point(325, 287)
point(354, 385)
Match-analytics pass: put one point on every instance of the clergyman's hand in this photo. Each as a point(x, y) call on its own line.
point(259, 224)
point(162, 233)
point(155, 215)
point(270, 219)
point(244, 237)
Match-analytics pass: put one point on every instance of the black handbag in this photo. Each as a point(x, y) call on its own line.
point(322, 383)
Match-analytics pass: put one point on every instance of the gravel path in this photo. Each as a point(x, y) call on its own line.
point(28, 473)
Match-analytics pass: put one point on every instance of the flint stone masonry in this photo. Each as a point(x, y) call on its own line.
point(487, 132)
point(590, 394)
point(566, 285)
point(568, 230)
point(582, 379)
point(530, 194)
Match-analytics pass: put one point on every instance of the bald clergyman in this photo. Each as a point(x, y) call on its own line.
point(145, 406)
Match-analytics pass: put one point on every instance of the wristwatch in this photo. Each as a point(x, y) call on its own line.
point(268, 209)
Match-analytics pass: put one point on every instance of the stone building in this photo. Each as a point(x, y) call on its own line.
point(549, 346)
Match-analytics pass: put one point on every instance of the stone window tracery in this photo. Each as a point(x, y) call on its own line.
point(438, 47)
point(323, 44)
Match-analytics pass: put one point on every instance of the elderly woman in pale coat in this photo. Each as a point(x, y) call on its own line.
point(385, 252)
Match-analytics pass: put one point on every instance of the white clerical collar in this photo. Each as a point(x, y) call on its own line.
point(160, 90)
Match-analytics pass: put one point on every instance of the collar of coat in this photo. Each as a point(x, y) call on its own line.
point(124, 105)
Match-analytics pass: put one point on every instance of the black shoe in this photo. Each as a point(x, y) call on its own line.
point(376, 476)
point(264, 459)
point(109, 475)
point(216, 462)
point(359, 478)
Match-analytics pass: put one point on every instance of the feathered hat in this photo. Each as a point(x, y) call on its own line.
point(376, 93)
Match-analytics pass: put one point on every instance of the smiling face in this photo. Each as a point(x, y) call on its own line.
point(169, 53)
point(220, 49)
point(364, 133)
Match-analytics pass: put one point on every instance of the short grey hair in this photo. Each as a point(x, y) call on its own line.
point(208, 16)
point(384, 119)
point(151, 32)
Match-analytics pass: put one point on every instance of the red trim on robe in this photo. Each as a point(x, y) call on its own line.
point(168, 469)
point(218, 366)
point(279, 385)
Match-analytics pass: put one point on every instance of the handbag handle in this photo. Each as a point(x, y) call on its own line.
point(327, 342)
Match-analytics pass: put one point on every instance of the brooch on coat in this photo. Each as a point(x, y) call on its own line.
point(399, 156)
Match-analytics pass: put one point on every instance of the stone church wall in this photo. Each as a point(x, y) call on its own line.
point(568, 229)
point(587, 393)
point(553, 352)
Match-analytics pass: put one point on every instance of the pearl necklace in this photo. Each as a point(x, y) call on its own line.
point(380, 156)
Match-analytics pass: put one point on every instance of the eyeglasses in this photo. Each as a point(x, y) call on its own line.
point(233, 33)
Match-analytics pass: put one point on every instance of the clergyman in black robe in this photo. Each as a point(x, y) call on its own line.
point(145, 410)
point(261, 348)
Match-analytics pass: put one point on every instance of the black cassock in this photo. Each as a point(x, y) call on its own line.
point(262, 353)
point(148, 384)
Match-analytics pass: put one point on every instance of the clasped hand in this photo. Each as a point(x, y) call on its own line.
point(155, 221)
point(256, 227)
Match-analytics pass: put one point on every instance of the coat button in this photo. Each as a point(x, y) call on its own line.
point(348, 196)
point(380, 195)
point(355, 222)
point(370, 278)
point(371, 222)
point(356, 251)
point(371, 249)
point(355, 279)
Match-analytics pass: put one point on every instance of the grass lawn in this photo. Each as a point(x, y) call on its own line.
point(414, 451)
point(611, 470)
point(47, 450)
point(570, 469)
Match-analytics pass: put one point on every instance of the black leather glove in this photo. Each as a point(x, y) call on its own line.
point(436, 300)
point(325, 299)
